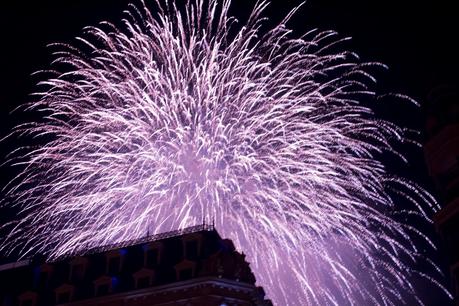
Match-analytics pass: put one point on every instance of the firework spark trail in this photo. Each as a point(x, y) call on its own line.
point(171, 120)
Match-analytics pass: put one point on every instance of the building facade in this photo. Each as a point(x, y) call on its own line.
point(442, 156)
point(194, 266)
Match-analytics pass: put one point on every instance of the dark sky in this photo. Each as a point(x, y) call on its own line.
point(416, 39)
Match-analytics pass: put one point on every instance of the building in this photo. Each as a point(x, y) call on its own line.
point(194, 266)
point(442, 156)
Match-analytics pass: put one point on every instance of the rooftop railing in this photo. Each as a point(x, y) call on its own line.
point(146, 239)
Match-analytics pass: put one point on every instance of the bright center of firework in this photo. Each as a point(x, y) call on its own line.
point(197, 166)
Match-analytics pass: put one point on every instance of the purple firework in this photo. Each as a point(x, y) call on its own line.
point(182, 115)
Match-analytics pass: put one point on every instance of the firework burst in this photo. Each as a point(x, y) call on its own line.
point(171, 119)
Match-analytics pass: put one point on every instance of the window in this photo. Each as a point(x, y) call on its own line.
point(185, 270)
point(114, 265)
point(64, 293)
point(77, 272)
point(63, 297)
point(143, 278)
point(43, 280)
point(78, 267)
point(28, 298)
point(28, 302)
point(103, 285)
point(143, 282)
point(103, 289)
point(185, 274)
point(152, 258)
point(192, 249)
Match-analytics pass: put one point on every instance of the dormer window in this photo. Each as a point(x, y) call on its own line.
point(191, 249)
point(63, 297)
point(43, 279)
point(192, 246)
point(114, 265)
point(28, 298)
point(28, 302)
point(64, 294)
point(42, 276)
point(103, 286)
point(152, 254)
point(143, 278)
point(143, 282)
point(103, 289)
point(185, 270)
point(78, 268)
point(77, 273)
point(185, 274)
point(115, 262)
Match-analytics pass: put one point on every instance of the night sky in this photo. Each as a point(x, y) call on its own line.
point(417, 40)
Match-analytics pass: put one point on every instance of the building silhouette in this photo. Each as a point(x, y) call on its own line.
point(442, 156)
point(194, 266)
